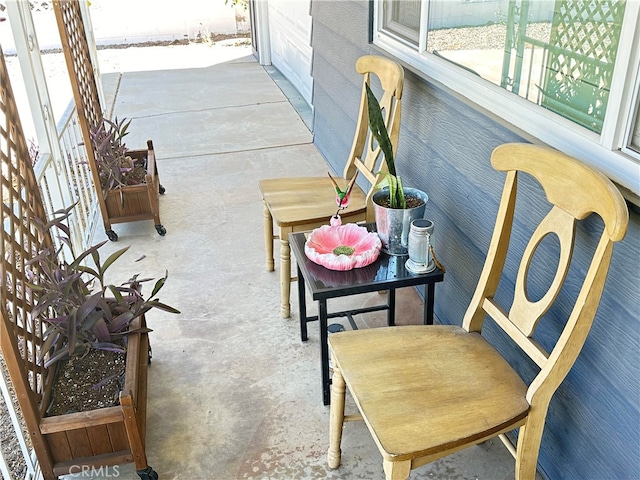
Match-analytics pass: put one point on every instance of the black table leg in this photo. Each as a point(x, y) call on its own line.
point(391, 313)
point(429, 294)
point(302, 302)
point(324, 351)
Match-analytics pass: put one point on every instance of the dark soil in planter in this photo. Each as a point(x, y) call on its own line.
point(88, 382)
point(412, 201)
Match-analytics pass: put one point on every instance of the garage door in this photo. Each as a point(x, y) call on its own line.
point(290, 36)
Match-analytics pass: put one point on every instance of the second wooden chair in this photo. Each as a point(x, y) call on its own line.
point(426, 391)
point(304, 203)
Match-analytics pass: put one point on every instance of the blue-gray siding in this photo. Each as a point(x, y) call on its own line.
point(593, 429)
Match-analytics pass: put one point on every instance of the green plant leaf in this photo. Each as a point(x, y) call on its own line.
point(101, 331)
point(65, 229)
point(61, 320)
point(58, 355)
point(109, 346)
point(396, 194)
point(400, 194)
point(379, 129)
point(89, 270)
point(393, 191)
point(95, 255)
point(162, 306)
point(124, 127)
point(71, 332)
point(34, 287)
point(116, 293)
point(88, 251)
point(50, 336)
point(90, 321)
point(121, 322)
point(45, 302)
point(105, 307)
point(58, 217)
point(112, 258)
point(159, 284)
point(137, 330)
point(134, 281)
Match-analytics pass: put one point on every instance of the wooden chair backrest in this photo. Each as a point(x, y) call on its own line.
point(365, 152)
point(20, 333)
point(574, 191)
point(81, 73)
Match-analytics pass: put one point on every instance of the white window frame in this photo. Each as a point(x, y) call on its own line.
point(634, 96)
point(606, 151)
point(400, 30)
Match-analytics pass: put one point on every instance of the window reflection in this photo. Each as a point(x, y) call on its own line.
point(558, 54)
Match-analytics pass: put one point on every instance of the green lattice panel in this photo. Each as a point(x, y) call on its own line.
point(74, 40)
point(582, 53)
point(20, 333)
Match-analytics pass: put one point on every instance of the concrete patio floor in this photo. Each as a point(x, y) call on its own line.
point(233, 392)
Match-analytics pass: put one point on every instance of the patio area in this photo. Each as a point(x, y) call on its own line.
point(233, 392)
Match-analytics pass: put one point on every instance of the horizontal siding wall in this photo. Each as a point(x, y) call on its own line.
point(445, 147)
point(336, 99)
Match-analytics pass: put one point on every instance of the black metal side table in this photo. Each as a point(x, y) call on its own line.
point(387, 273)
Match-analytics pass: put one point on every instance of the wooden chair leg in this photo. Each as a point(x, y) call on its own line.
point(336, 418)
point(285, 276)
point(529, 438)
point(397, 470)
point(268, 238)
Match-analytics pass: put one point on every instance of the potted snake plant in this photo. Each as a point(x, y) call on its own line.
point(395, 206)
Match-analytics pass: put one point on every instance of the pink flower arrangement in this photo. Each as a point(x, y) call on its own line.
point(342, 247)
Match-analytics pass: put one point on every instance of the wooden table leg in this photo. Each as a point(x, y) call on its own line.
point(324, 351)
point(391, 303)
point(429, 294)
point(302, 302)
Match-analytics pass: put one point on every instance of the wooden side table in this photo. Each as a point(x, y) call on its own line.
point(387, 273)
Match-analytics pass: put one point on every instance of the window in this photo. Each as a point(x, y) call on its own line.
point(633, 133)
point(564, 71)
point(402, 18)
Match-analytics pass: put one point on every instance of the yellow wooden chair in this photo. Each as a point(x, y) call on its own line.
point(428, 391)
point(304, 203)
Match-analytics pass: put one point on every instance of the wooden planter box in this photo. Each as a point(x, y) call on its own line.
point(131, 203)
point(106, 436)
point(134, 203)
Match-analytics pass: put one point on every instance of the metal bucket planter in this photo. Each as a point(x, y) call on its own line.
point(393, 224)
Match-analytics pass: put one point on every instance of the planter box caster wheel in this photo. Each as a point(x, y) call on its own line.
point(147, 474)
point(161, 190)
point(161, 230)
point(113, 236)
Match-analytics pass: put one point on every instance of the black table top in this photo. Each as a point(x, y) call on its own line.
point(388, 271)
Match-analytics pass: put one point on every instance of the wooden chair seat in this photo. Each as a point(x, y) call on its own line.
point(431, 398)
point(304, 200)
